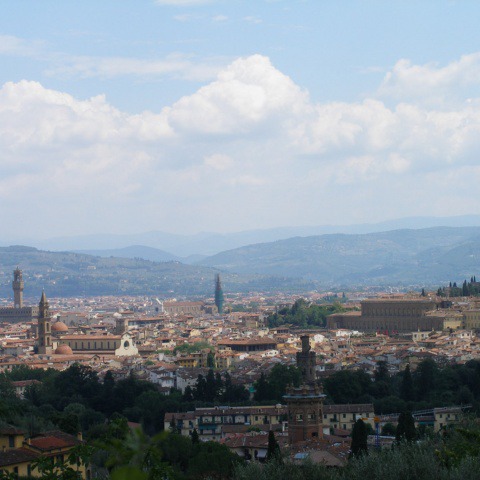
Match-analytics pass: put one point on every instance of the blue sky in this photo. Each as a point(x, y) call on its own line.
point(230, 115)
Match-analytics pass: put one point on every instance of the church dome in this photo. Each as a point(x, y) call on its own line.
point(59, 327)
point(64, 350)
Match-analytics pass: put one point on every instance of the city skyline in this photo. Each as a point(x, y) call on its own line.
point(188, 116)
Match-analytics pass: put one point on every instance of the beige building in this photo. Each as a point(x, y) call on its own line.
point(345, 416)
point(181, 308)
point(390, 315)
point(119, 345)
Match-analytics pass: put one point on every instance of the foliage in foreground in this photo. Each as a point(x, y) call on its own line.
point(406, 462)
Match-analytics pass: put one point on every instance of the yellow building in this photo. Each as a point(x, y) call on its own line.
point(345, 416)
point(18, 453)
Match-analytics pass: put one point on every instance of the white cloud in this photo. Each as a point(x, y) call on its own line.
point(431, 82)
point(251, 141)
point(10, 45)
point(174, 65)
point(219, 161)
point(248, 93)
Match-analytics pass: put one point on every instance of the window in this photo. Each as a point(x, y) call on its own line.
point(344, 415)
point(11, 441)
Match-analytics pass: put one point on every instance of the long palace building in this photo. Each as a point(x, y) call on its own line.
point(391, 315)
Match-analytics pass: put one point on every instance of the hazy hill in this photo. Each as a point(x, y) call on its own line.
point(72, 274)
point(134, 251)
point(427, 256)
point(210, 243)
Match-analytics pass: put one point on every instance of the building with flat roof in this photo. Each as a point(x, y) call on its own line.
point(390, 315)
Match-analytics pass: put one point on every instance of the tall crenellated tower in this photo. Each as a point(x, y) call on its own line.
point(306, 361)
point(17, 285)
point(44, 327)
point(305, 403)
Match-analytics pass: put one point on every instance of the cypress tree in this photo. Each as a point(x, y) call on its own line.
point(273, 449)
point(406, 428)
point(218, 294)
point(406, 387)
point(359, 439)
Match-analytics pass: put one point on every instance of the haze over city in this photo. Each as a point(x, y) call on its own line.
point(189, 116)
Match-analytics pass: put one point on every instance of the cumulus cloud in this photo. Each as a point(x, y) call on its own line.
point(247, 94)
point(251, 141)
point(431, 82)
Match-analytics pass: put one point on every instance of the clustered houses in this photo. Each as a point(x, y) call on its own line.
point(157, 341)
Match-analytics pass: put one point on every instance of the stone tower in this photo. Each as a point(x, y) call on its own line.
point(121, 326)
point(44, 327)
point(305, 403)
point(306, 360)
point(17, 285)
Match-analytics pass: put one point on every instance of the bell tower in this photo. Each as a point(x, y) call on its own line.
point(44, 327)
point(17, 285)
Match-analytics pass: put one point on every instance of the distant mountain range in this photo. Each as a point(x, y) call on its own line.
point(425, 257)
point(183, 247)
point(431, 256)
point(68, 274)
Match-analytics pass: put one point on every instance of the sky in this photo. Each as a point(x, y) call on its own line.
point(229, 115)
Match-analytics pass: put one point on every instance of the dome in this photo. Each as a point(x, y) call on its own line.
point(59, 327)
point(64, 350)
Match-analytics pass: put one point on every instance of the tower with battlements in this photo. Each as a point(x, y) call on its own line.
point(305, 403)
point(17, 285)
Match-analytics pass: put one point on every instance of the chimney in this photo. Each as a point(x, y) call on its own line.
point(80, 436)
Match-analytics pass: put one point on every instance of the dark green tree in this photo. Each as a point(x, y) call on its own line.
point(406, 428)
point(210, 360)
point(210, 387)
point(273, 449)
point(218, 294)
point(195, 437)
point(359, 444)
point(406, 387)
point(262, 389)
